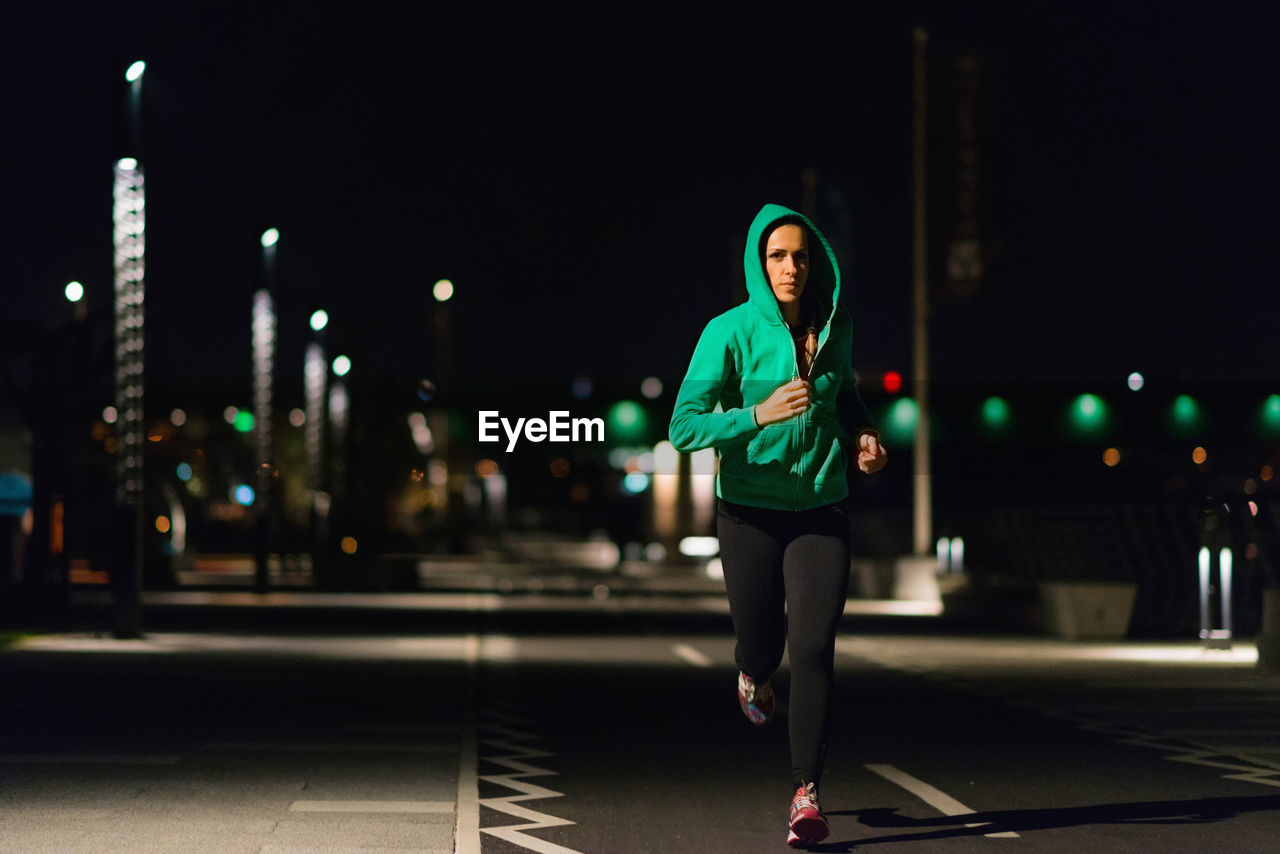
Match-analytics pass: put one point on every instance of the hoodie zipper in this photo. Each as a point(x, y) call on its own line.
point(795, 359)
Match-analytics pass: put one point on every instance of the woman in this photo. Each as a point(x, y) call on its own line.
point(771, 387)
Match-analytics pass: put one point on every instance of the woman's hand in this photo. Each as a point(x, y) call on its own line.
point(871, 453)
point(787, 401)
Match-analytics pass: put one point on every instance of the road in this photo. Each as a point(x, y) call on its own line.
point(558, 734)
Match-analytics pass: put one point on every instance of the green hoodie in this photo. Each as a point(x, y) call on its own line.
point(746, 353)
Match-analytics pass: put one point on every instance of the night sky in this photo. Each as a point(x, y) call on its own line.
point(585, 176)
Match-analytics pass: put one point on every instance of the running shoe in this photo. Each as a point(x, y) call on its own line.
point(808, 824)
point(755, 699)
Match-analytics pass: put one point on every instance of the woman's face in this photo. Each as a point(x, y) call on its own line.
point(786, 262)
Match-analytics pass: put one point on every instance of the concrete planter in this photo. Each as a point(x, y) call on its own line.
point(1079, 610)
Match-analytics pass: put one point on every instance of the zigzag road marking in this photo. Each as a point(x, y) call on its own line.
point(514, 755)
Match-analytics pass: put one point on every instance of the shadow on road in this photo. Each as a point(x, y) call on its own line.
point(1148, 812)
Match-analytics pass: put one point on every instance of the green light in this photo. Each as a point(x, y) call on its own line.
point(995, 413)
point(1088, 413)
point(243, 422)
point(627, 421)
point(900, 424)
point(1271, 414)
point(1185, 412)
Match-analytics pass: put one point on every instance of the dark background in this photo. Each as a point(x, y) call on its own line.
point(585, 173)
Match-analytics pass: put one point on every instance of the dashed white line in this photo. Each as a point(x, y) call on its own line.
point(932, 796)
point(692, 655)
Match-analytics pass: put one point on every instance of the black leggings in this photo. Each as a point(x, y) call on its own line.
point(787, 574)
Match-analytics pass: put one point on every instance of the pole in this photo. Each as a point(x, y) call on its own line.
point(923, 497)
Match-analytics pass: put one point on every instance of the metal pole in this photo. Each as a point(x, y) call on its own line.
point(923, 498)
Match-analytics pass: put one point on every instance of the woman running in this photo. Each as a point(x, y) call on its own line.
point(771, 388)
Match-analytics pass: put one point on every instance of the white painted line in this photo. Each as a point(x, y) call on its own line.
point(372, 806)
point(87, 759)
point(692, 655)
point(466, 834)
point(934, 797)
point(328, 747)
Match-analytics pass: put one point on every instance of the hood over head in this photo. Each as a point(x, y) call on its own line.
point(824, 270)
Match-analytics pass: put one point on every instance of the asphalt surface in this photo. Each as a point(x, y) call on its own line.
point(559, 733)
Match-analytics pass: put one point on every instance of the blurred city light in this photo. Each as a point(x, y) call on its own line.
point(582, 388)
point(297, 417)
point(341, 366)
point(426, 390)
point(651, 388)
point(127, 163)
point(560, 467)
point(635, 482)
point(109, 414)
point(1111, 457)
point(1186, 412)
point(699, 546)
point(1199, 455)
point(243, 494)
point(1088, 413)
point(230, 414)
point(627, 421)
point(184, 472)
point(1136, 381)
point(162, 524)
point(178, 417)
point(1271, 413)
point(74, 292)
point(349, 545)
point(995, 413)
point(243, 422)
point(319, 319)
point(270, 237)
point(900, 424)
point(135, 71)
point(892, 382)
point(443, 290)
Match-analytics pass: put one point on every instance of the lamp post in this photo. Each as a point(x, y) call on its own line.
point(264, 350)
point(129, 238)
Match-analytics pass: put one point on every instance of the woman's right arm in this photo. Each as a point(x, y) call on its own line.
point(694, 422)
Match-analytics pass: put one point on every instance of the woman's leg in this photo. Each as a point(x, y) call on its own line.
point(816, 569)
point(751, 554)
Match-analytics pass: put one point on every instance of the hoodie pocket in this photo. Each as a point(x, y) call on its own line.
point(773, 444)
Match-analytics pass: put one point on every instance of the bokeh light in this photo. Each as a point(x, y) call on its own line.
point(243, 494)
point(341, 366)
point(74, 291)
point(892, 382)
point(319, 319)
point(1136, 381)
point(349, 545)
point(443, 290)
point(900, 425)
point(184, 472)
point(1199, 456)
point(651, 388)
point(1111, 457)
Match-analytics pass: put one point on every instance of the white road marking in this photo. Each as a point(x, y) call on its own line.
point(372, 806)
point(514, 757)
point(932, 796)
point(692, 655)
point(466, 832)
